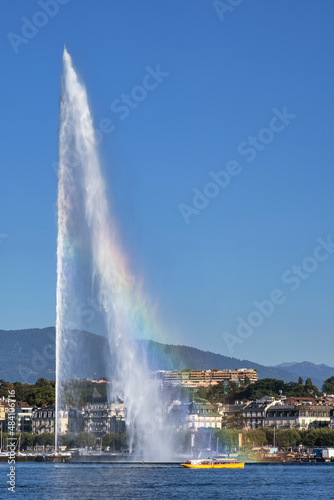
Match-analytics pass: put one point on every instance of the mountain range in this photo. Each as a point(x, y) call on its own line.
point(26, 355)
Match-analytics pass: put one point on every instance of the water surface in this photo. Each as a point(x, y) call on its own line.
point(152, 482)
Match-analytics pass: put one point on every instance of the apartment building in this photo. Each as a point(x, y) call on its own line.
point(301, 416)
point(43, 420)
point(23, 415)
point(102, 418)
point(195, 378)
point(202, 415)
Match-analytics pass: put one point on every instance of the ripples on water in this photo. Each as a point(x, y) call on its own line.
point(153, 482)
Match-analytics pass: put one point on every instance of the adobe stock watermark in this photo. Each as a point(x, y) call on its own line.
point(3, 236)
point(250, 148)
point(83, 315)
point(31, 27)
point(293, 279)
point(86, 311)
point(40, 360)
point(226, 7)
point(121, 108)
point(11, 440)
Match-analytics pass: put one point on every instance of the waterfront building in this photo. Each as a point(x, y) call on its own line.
point(232, 415)
point(43, 420)
point(249, 414)
point(2, 411)
point(63, 421)
point(202, 415)
point(23, 415)
point(102, 418)
point(69, 420)
point(299, 416)
point(2, 419)
point(331, 418)
point(254, 413)
point(75, 420)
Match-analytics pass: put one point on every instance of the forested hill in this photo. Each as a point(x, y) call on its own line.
point(27, 355)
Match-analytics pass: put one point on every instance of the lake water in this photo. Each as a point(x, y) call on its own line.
point(154, 482)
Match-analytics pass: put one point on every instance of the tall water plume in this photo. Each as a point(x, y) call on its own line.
point(90, 263)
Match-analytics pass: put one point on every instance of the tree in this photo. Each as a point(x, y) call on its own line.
point(202, 393)
point(47, 438)
point(328, 385)
point(27, 439)
point(310, 389)
point(256, 436)
point(41, 382)
point(287, 438)
point(309, 437)
point(85, 439)
point(113, 440)
point(68, 440)
point(228, 437)
point(325, 437)
point(217, 393)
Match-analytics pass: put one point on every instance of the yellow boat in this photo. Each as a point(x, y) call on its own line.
point(223, 463)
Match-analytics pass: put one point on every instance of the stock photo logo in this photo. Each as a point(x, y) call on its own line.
point(293, 278)
point(223, 8)
point(250, 148)
point(31, 27)
point(41, 360)
point(121, 109)
point(3, 236)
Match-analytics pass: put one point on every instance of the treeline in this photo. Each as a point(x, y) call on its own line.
point(27, 439)
point(75, 392)
point(227, 439)
point(205, 439)
point(82, 439)
point(42, 392)
point(229, 392)
point(284, 438)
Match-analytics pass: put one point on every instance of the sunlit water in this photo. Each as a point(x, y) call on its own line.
point(90, 482)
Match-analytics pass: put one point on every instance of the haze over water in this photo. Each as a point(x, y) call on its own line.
point(90, 265)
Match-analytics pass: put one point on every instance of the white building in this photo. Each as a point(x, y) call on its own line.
point(202, 415)
point(23, 417)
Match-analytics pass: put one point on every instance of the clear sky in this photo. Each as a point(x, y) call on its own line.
point(182, 90)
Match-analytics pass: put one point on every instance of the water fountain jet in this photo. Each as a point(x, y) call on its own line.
point(90, 263)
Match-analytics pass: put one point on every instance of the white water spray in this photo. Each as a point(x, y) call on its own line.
point(89, 263)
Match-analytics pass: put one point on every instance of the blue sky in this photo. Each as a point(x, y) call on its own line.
point(225, 74)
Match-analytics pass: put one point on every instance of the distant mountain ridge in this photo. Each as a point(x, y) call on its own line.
point(26, 355)
point(182, 357)
point(305, 369)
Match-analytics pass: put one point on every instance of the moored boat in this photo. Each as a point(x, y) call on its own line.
point(221, 463)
